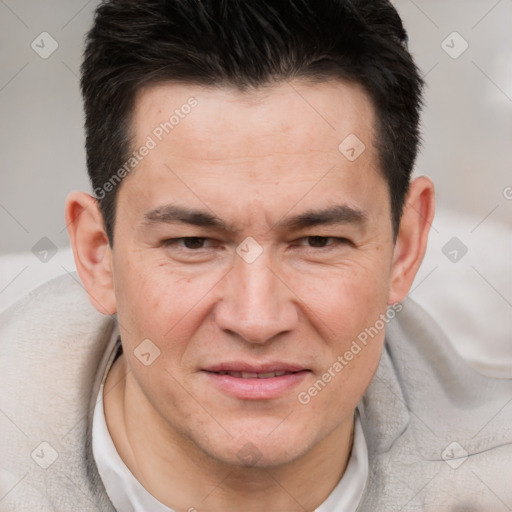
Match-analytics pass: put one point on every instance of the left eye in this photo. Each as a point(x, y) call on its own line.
point(318, 242)
point(189, 242)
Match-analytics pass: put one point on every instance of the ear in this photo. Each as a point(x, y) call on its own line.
point(91, 250)
point(412, 237)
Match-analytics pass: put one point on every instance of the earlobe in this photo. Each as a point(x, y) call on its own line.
point(91, 250)
point(412, 237)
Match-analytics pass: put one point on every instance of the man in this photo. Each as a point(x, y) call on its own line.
point(250, 246)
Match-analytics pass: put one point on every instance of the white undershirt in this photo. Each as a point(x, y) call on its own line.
point(128, 495)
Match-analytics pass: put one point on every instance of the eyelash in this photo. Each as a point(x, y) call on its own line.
point(176, 241)
point(338, 241)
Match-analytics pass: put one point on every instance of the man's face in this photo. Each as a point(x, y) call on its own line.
point(291, 298)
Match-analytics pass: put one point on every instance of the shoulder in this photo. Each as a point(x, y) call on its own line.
point(431, 370)
point(52, 301)
point(53, 343)
point(50, 336)
point(433, 423)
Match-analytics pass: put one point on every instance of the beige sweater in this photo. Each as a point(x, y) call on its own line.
point(439, 435)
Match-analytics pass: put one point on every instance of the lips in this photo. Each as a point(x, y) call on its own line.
point(240, 367)
point(248, 381)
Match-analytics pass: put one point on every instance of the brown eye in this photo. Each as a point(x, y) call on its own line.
point(188, 242)
point(193, 242)
point(318, 241)
point(323, 242)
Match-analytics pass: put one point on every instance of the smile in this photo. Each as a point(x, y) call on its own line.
point(258, 384)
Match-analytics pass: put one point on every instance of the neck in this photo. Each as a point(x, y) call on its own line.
point(156, 457)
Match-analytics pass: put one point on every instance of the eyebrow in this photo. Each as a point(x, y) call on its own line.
point(338, 214)
point(169, 214)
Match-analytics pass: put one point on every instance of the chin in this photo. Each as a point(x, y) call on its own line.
point(260, 447)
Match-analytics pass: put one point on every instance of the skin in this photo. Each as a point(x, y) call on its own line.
point(254, 159)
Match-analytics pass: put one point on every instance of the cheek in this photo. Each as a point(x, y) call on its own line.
point(343, 300)
point(159, 302)
point(336, 392)
point(146, 297)
point(353, 333)
point(351, 308)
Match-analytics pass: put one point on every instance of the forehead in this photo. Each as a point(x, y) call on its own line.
point(293, 117)
point(223, 146)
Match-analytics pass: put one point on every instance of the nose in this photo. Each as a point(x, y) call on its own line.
point(256, 305)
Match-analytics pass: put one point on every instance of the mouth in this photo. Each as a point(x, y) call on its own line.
point(256, 382)
point(254, 375)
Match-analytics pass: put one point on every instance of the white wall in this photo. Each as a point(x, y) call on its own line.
point(41, 132)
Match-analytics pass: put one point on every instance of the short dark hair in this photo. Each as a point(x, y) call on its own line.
point(247, 44)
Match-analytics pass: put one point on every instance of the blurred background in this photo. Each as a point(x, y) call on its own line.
point(464, 49)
